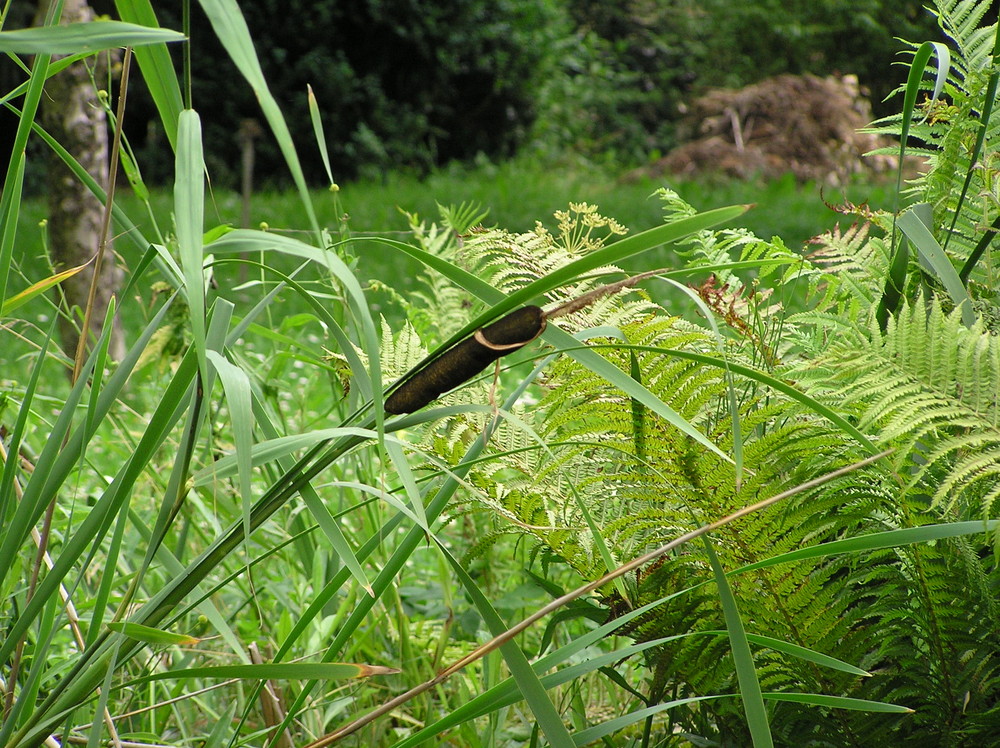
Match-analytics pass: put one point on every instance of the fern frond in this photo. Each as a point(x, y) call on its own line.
point(435, 307)
point(931, 387)
point(853, 265)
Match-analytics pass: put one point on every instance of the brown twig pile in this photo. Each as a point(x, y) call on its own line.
point(801, 124)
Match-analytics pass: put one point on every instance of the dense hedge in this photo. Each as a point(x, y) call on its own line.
point(401, 84)
point(638, 63)
point(410, 84)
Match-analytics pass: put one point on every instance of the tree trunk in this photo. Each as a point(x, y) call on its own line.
point(74, 117)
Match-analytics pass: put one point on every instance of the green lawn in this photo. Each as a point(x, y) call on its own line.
point(517, 193)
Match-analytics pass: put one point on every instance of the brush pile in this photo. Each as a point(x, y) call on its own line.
point(802, 124)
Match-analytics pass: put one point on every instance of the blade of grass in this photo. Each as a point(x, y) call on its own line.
point(878, 541)
point(912, 90)
point(803, 653)
point(89, 36)
point(10, 199)
point(592, 734)
point(236, 385)
point(269, 670)
point(189, 207)
point(919, 234)
point(54, 67)
point(45, 594)
point(98, 725)
point(746, 671)
point(317, 123)
point(58, 457)
point(839, 702)
point(28, 695)
point(149, 635)
point(36, 289)
point(231, 29)
point(156, 67)
point(78, 683)
point(608, 255)
point(192, 400)
point(108, 581)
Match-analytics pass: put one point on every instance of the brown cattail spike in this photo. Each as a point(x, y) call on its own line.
point(467, 358)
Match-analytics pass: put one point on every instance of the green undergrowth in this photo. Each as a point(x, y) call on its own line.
point(231, 536)
point(515, 193)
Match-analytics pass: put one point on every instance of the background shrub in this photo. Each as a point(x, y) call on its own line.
point(412, 86)
point(401, 84)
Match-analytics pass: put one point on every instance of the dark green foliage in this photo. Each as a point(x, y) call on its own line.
point(400, 84)
point(413, 86)
point(750, 41)
point(934, 608)
point(619, 73)
point(626, 69)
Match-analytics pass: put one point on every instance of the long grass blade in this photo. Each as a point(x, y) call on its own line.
point(839, 702)
point(156, 67)
point(919, 234)
point(10, 199)
point(36, 289)
point(746, 671)
point(877, 541)
point(597, 732)
point(270, 670)
point(317, 123)
point(231, 29)
point(912, 90)
point(189, 214)
point(90, 36)
point(236, 385)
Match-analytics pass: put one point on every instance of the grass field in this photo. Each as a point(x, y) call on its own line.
point(517, 194)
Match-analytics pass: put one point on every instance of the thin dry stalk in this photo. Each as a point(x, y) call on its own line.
point(585, 300)
point(81, 347)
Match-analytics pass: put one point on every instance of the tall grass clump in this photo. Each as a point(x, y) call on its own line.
point(192, 541)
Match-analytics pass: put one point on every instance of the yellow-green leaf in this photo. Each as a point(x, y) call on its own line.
point(9, 305)
point(152, 636)
point(92, 36)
